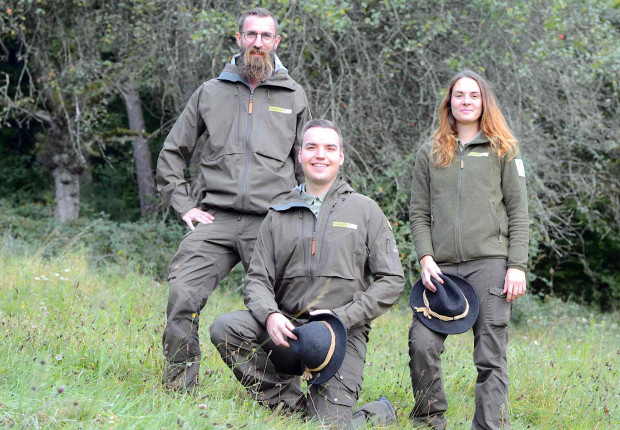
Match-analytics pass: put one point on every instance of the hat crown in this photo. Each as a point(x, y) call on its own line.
point(312, 345)
point(448, 301)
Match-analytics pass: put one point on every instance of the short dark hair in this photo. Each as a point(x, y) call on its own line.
point(257, 11)
point(322, 123)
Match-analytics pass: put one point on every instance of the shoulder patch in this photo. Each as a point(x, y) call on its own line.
point(520, 168)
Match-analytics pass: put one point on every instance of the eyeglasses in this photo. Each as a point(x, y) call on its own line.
point(250, 36)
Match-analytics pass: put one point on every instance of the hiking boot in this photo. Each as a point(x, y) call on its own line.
point(181, 377)
point(391, 417)
point(381, 412)
point(435, 422)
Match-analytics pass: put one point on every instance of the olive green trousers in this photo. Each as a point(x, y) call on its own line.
point(490, 341)
point(205, 256)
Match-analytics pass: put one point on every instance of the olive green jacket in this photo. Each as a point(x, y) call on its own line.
point(252, 138)
point(303, 263)
point(475, 208)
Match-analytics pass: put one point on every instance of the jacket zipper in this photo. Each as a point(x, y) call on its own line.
point(301, 217)
point(313, 248)
point(499, 229)
point(248, 133)
point(459, 207)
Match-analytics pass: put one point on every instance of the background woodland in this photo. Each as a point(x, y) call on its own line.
point(89, 90)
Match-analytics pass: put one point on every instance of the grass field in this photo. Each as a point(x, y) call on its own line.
point(80, 348)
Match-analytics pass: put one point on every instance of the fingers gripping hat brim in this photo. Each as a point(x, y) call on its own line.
point(416, 300)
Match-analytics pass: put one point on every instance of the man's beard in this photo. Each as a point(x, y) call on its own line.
point(255, 69)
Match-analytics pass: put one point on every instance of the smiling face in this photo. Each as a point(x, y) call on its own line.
point(466, 101)
point(320, 157)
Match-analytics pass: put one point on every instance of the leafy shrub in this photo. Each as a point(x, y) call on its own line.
point(149, 245)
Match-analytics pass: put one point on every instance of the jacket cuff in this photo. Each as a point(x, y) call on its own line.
point(262, 314)
point(522, 267)
point(423, 254)
point(342, 316)
point(183, 207)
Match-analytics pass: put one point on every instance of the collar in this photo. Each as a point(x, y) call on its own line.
point(321, 198)
point(279, 77)
point(473, 140)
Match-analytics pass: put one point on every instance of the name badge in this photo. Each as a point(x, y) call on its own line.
point(280, 110)
point(344, 224)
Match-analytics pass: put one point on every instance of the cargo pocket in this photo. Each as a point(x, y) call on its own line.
point(498, 309)
point(340, 391)
point(177, 258)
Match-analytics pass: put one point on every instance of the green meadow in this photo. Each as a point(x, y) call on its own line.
point(80, 348)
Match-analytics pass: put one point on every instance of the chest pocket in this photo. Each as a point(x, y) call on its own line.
point(294, 242)
point(226, 123)
point(343, 249)
point(275, 123)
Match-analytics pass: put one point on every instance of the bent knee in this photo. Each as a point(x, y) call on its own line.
point(231, 324)
point(219, 329)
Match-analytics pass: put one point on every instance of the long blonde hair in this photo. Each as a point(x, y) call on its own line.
point(492, 123)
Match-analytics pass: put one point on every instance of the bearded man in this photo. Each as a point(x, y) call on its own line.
point(252, 115)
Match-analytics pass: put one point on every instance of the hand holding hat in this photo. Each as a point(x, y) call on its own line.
point(452, 309)
point(317, 352)
point(320, 347)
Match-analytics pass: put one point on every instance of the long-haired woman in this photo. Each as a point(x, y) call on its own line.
point(469, 218)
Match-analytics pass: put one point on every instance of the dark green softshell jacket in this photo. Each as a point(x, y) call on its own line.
point(303, 263)
point(249, 157)
point(475, 208)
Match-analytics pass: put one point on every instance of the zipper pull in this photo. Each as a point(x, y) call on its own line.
point(313, 243)
point(462, 163)
point(250, 109)
point(500, 238)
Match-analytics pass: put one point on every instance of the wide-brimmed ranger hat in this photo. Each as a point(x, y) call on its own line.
point(320, 347)
point(452, 309)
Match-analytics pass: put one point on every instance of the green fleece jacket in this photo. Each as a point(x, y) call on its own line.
point(475, 208)
point(303, 263)
point(252, 138)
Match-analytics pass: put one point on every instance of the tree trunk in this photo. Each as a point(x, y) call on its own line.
point(67, 194)
point(141, 154)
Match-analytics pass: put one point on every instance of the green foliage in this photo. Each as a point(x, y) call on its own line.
point(80, 347)
point(22, 176)
point(29, 228)
point(378, 69)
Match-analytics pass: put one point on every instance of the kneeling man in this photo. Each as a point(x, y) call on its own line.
point(316, 253)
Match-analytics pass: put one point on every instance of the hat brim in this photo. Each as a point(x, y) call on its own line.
point(446, 327)
point(340, 349)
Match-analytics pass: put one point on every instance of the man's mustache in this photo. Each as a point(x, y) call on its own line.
point(257, 51)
